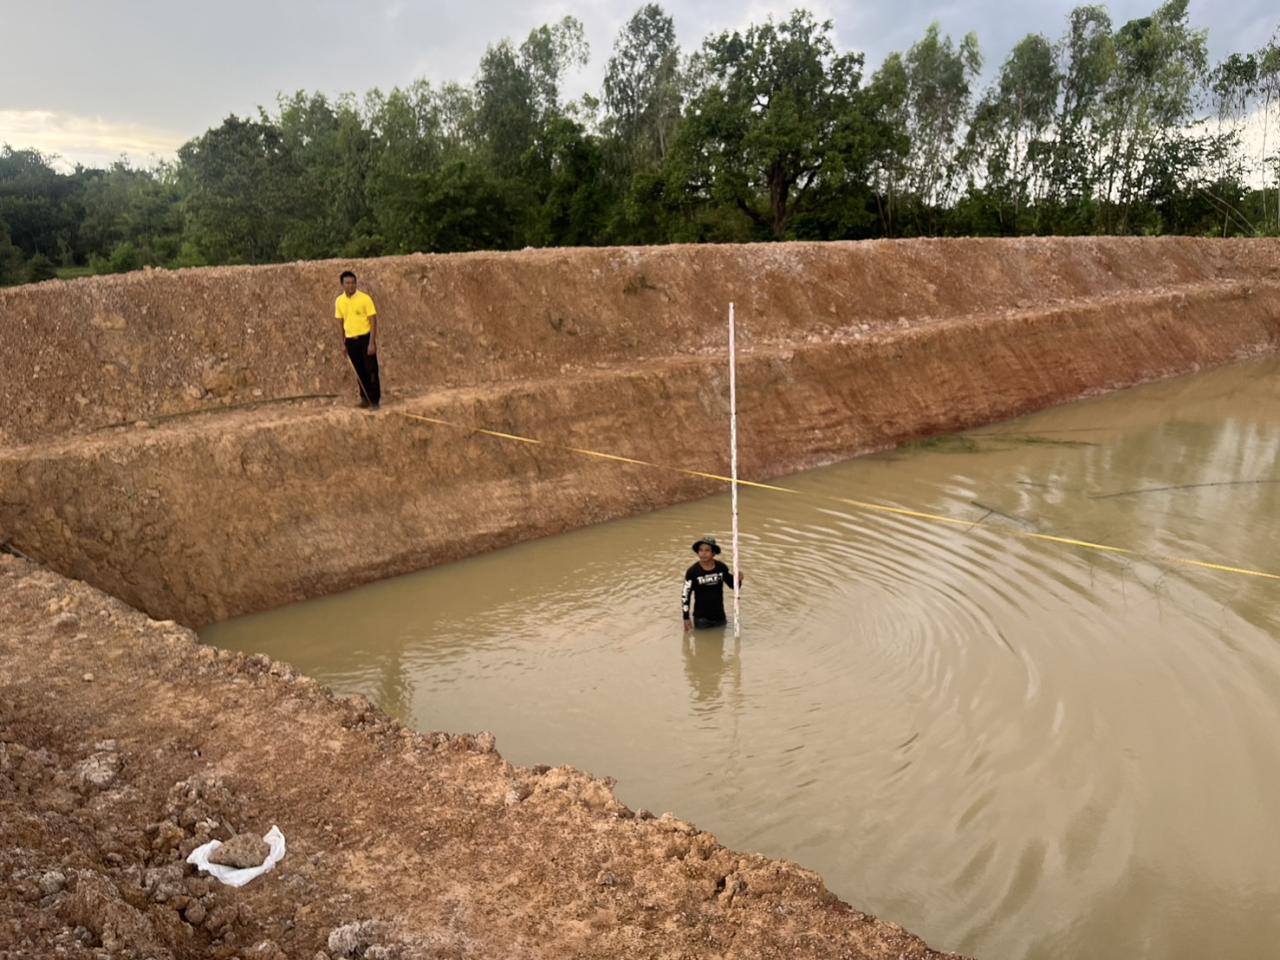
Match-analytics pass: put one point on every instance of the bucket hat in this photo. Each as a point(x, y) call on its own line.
point(710, 542)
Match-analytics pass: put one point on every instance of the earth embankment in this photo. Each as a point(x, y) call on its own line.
point(125, 744)
point(186, 441)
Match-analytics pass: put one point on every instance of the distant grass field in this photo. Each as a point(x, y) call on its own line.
point(71, 273)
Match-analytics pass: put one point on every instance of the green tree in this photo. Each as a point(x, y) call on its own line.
point(642, 94)
point(886, 99)
point(1088, 63)
point(765, 133)
point(517, 91)
point(1160, 63)
point(236, 185)
point(1267, 85)
point(1008, 142)
point(140, 207)
point(462, 206)
point(417, 133)
point(40, 207)
point(506, 115)
point(125, 257)
point(41, 268)
point(939, 75)
point(775, 122)
point(325, 149)
point(12, 263)
point(1245, 87)
point(576, 205)
point(517, 107)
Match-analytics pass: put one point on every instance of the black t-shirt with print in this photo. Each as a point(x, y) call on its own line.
point(706, 589)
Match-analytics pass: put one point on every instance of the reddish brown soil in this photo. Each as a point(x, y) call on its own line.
point(80, 355)
point(212, 501)
point(173, 439)
point(124, 744)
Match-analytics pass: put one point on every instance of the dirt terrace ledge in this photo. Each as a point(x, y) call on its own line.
point(203, 514)
point(124, 743)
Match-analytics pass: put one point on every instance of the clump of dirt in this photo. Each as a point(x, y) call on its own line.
point(400, 844)
point(242, 850)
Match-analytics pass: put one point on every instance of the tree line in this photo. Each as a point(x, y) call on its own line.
point(768, 133)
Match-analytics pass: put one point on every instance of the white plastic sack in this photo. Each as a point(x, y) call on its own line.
point(239, 876)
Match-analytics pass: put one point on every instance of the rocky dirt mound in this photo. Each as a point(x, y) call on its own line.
point(85, 354)
point(154, 513)
point(124, 744)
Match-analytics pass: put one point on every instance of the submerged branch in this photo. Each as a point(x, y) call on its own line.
point(1179, 486)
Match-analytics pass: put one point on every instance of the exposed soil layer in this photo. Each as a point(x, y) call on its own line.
point(124, 744)
point(174, 439)
point(232, 487)
point(80, 355)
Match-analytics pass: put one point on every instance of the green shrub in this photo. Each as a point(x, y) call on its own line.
point(41, 268)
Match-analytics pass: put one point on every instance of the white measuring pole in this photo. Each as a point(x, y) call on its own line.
point(733, 465)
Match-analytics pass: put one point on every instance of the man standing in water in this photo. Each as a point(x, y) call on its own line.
point(704, 587)
point(360, 337)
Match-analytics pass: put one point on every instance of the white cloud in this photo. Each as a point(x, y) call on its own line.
point(205, 61)
point(88, 140)
point(1259, 139)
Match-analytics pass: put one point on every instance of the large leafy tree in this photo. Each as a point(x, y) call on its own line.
point(518, 120)
point(886, 101)
point(422, 150)
point(132, 212)
point(1160, 64)
point(774, 122)
point(326, 147)
point(237, 179)
point(1008, 143)
point(40, 208)
point(12, 266)
point(642, 94)
point(1088, 61)
point(518, 91)
point(939, 75)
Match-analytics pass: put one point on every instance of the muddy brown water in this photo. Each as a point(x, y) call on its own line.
point(1014, 748)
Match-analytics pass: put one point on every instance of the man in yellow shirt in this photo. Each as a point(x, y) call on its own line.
point(360, 337)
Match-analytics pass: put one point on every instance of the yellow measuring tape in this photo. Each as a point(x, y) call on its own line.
point(857, 504)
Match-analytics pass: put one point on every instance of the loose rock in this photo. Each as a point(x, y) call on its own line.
point(98, 771)
point(66, 623)
point(52, 882)
point(352, 941)
point(242, 850)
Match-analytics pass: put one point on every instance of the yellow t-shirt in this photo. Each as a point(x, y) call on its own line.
point(354, 312)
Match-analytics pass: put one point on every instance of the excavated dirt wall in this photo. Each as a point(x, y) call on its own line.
point(90, 353)
point(200, 518)
point(234, 502)
point(155, 441)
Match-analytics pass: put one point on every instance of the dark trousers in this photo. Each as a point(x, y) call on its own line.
point(366, 367)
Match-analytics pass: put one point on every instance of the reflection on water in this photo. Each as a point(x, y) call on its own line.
point(709, 667)
point(1013, 748)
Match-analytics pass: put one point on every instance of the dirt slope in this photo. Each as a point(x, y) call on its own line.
point(201, 515)
point(171, 439)
point(124, 744)
point(80, 355)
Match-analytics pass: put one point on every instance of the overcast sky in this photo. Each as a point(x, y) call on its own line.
point(92, 80)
